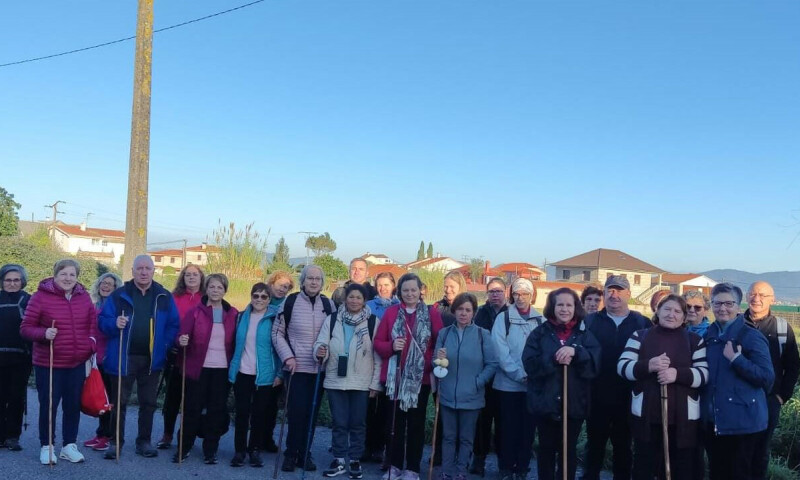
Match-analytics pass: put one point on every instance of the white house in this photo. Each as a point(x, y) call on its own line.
point(681, 283)
point(101, 244)
point(444, 264)
point(376, 259)
point(173, 257)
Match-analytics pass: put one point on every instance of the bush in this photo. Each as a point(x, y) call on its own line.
point(434, 282)
point(168, 271)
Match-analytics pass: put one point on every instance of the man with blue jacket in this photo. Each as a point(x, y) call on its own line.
point(142, 314)
point(734, 402)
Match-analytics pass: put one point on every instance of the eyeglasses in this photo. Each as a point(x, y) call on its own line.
point(521, 294)
point(759, 295)
point(314, 279)
point(696, 308)
point(496, 292)
point(728, 304)
point(262, 296)
point(12, 280)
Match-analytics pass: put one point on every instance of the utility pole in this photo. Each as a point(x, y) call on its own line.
point(307, 234)
point(183, 264)
point(139, 164)
point(88, 214)
point(54, 206)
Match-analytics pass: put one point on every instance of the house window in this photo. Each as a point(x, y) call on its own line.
point(199, 257)
point(587, 275)
point(95, 241)
point(105, 243)
point(637, 279)
point(171, 259)
point(624, 275)
point(565, 275)
point(608, 275)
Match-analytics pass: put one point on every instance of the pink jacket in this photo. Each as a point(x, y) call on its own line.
point(75, 319)
point(197, 323)
point(304, 328)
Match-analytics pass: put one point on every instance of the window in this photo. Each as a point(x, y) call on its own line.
point(95, 241)
point(624, 275)
point(608, 275)
point(565, 275)
point(158, 258)
point(105, 243)
point(199, 257)
point(171, 259)
point(637, 279)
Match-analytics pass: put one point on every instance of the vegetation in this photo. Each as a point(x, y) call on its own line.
point(421, 251)
point(430, 250)
point(434, 283)
point(242, 252)
point(280, 261)
point(333, 268)
point(321, 244)
point(8, 214)
point(475, 269)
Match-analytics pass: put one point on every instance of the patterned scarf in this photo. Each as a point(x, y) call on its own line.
point(413, 369)
point(355, 320)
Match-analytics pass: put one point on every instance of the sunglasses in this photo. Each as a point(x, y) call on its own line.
point(696, 308)
point(262, 296)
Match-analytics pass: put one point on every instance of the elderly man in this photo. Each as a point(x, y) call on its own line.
point(293, 335)
point(734, 402)
point(359, 272)
point(785, 362)
point(143, 316)
point(611, 394)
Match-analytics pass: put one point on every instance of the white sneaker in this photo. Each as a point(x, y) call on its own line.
point(410, 475)
point(395, 473)
point(45, 453)
point(71, 454)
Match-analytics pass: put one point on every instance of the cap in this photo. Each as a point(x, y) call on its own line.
point(618, 281)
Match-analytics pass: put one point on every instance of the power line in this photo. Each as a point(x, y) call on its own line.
point(120, 40)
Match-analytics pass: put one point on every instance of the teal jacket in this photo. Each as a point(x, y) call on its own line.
point(267, 361)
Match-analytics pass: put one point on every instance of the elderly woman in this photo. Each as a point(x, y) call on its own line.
point(734, 403)
point(517, 425)
point(60, 316)
point(697, 306)
point(471, 366)
point(352, 374)
point(187, 293)
point(592, 299)
point(206, 340)
point(100, 291)
point(405, 341)
point(254, 374)
point(665, 355)
point(561, 341)
point(15, 354)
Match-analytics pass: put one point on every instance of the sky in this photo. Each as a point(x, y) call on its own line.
point(507, 130)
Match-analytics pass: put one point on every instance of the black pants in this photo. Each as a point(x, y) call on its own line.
point(172, 395)
point(300, 414)
point(146, 387)
point(648, 458)
point(409, 432)
point(13, 393)
point(251, 411)
point(608, 422)
point(377, 410)
point(699, 456)
point(104, 427)
point(730, 457)
point(551, 446)
point(761, 460)
point(208, 394)
point(483, 429)
point(518, 426)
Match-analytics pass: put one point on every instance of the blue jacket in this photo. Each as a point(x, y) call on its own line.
point(734, 400)
point(267, 361)
point(472, 364)
point(379, 305)
point(166, 325)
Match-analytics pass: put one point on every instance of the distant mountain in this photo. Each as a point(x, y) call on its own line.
point(786, 284)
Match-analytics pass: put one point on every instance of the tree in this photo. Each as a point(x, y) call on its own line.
point(9, 221)
point(430, 250)
point(321, 244)
point(421, 251)
point(475, 269)
point(240, 253)
point(280, 261)
point(334, 268)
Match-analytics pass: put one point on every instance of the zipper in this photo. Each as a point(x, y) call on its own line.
point(458, 362)
point(153, 330)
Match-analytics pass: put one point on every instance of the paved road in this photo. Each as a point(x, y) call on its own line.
point(25, 464)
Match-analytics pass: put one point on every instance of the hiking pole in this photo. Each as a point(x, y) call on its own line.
point(183, 394)
point(50, 406)
point(664, 424)
point(310, 437)
point(283, 425)
point(564, 427)
point(435, 422)
point(119, 391)
point(397, 375)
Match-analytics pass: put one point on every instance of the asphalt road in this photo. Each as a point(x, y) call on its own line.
point(25, 464)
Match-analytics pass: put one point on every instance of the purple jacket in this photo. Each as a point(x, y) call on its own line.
point(197, 323)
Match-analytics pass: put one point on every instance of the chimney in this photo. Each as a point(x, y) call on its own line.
point(204, 245)
point(486, 267)
point(83, 226)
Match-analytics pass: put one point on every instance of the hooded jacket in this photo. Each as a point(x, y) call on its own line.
point(268, 364)
point(471, 365)
point(511, 376)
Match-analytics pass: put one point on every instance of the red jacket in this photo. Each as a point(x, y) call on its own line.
point(186, 302)
point(197, 323)
point(383, 339)
point(75, 319)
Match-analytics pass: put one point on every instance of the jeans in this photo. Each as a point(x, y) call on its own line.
point(348, 414)
point(104, 426)
point(458, 427)
point(146, 387)
point(67, 388)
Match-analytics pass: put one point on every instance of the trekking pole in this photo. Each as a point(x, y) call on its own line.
point(397, 375)
point(664, 424)
point(435, 422)
point(283, 425)
point(50, 407)
point(183, 394)
point(310, 437)
point(119, 392)
point(564, 427)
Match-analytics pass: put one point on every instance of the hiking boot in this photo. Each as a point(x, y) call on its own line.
point(355, 470)
point(255, 459)
point(337, 468)
point(71, 454)
point(478, 466)
point(165, 442)
point(13, 444)
point(102, 444)
point(183, 459)
point(289, 463)
point(310, 466)
point(238, 459)
point(146, 450)
point(46, 457)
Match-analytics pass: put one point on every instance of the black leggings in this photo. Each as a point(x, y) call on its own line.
point(409, 432)
point(252, 405)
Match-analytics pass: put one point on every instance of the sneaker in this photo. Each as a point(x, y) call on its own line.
point(310, 466)
point(255, 459)
point(102, 444)
point(165, 442)
point(91, 442)
point(336, 469)
point(238, 459)
point(71, 454)
point(13, 444)
point(46, 457)
point(183, 459)
point(392, 472)
point(355, 470)
point(289, 463)
point(410, 475)
point(210, 459)
point(146, 450)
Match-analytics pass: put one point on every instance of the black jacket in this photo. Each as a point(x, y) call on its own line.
point(786, 365)
point(545, 377)
point(485, 316)
point(611, 389)
point(13, 348)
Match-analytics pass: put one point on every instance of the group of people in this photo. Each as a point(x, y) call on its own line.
point(497, 371)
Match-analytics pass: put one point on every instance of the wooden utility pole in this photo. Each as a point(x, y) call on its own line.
point(139, 166)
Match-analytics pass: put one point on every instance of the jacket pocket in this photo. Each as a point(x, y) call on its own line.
point(636, 404)
point(693, 408)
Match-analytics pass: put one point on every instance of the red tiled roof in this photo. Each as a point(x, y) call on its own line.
point(606, 258)
point(678, 277)
point(200, 248)
point(170, 252)
point(395, 270)
point(424, 262)
point(515, 267)
point(88, 254)
point(75, 231)
point(539, 284)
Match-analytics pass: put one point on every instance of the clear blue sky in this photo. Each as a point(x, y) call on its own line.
point(512, 130)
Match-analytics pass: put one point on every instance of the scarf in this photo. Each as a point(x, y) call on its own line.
point(385, 302)
point(354, 320)
point(414, 367)
point(563, 330)
point(700, 328)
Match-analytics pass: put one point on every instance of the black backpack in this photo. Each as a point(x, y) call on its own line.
point(370, 325)
point(507, 319)
point(327, 307)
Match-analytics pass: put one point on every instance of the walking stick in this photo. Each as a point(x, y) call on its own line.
point(433, 439)
point(50, 407)
point(310, 437)
point(283, 425)
point(564, 427)
point(119, 392)
point(664, 424)
point(183, 394)
point(397, 374)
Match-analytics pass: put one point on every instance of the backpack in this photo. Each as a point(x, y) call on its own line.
point(327, 308)
point(507, 321)
point(783, 333)
point(370, 325)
